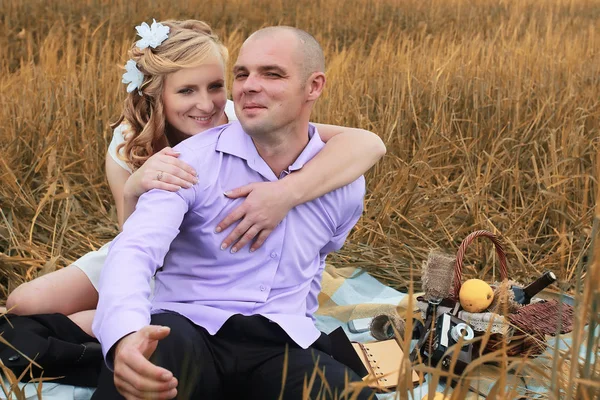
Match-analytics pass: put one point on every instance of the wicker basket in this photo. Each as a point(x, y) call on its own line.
point(460, 255)
point(499, 327)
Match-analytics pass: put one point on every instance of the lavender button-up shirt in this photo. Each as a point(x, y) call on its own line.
point(175, 230)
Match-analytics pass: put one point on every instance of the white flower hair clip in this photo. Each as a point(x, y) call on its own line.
point(134, 77)
point(151, 36)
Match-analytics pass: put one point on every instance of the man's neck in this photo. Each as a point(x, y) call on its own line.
point(280, 149)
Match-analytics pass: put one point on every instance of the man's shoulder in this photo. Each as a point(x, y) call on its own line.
point(201, 140)
point(346, 199)
point(200, 147)
point(353, 190)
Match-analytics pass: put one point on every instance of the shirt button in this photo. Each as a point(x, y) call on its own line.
point(273, 255)
point(262, 288)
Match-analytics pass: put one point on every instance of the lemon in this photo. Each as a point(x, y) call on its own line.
point(475, 295)
point(437, 396)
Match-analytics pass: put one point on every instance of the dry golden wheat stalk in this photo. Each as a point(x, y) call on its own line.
point(489, 109)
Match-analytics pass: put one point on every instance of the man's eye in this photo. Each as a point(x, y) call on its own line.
point(273, 75)
point(241, 75)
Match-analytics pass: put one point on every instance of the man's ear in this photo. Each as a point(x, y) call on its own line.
point(315, 85)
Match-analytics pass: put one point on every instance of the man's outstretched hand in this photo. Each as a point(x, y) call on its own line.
point(135, 376)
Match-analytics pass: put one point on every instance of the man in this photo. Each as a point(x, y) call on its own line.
point(223, 324)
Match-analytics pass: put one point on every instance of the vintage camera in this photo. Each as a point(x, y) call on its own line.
point(448, 332)
point(437, 338)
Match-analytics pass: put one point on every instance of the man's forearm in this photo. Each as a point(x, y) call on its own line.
point(133, 259)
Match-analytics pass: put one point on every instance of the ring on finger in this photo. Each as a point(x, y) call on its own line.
point(159, 176)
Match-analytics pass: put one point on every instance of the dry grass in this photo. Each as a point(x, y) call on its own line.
point(489, 108)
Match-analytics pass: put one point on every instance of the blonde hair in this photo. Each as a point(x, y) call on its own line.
point(189, 44)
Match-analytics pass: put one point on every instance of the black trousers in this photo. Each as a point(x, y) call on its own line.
point(248, 358)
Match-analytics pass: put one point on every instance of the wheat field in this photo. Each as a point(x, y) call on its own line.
point(490, 111)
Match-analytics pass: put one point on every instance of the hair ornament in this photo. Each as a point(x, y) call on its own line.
point(151, 36)
point(133, 76)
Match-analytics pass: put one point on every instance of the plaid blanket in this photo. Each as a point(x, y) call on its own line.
point(350, 293)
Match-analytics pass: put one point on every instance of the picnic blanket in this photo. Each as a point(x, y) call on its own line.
point(347, 294)
point(350, 293)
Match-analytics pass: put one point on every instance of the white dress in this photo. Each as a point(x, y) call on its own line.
point(92, 262)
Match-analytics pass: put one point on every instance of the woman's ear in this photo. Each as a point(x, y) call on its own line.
point(315, 85)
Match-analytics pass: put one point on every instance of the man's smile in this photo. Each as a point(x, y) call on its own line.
point(253, 106)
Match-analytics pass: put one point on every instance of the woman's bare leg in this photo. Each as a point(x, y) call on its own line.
point(66, 291)
point(84, 319)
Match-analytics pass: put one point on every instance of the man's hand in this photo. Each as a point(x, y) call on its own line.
point(136, 378)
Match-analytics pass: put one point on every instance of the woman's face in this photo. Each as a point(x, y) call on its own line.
point(194, 99)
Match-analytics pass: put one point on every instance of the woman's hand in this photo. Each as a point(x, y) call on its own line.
point(161, 171)
point(266, 204)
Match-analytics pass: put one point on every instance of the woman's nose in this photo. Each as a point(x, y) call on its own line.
point(204, 103)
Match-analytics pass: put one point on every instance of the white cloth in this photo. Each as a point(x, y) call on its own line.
point(92, 262)
point(117, 139)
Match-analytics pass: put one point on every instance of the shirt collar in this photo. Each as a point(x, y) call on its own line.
point(315, 144)
point(234, 141)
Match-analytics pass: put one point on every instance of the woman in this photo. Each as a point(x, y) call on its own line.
point(176, 86)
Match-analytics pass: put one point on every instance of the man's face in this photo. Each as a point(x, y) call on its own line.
point(268, 88)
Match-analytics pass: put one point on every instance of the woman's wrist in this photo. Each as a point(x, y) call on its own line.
point(293, 189)
point(128, 192)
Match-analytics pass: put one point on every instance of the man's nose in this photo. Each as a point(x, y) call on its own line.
point(251, 84)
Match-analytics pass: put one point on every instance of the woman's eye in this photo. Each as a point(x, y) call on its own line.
point(185, 91)
point(216, 86)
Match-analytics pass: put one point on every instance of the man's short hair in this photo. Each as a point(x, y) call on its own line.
point(310, 51)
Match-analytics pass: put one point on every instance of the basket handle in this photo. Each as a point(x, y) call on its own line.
point(461, 253)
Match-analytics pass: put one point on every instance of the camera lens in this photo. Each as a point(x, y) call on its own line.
point(462, 330)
